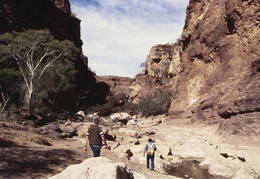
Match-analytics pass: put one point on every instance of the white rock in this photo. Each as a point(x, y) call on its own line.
point(120, 116)
point(102, 168)
point(131, 123)
point(81, 113)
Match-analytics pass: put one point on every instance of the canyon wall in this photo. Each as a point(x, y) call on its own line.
point(220, 60)
point(219, 43)
point(213, 69)
point(55, 15)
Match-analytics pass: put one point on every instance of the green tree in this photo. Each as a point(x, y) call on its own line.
point(46, 64)
point(9, 87)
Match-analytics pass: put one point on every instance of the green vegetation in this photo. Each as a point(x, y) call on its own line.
point(35, 68)
point(116, 103)
point(147, 106)
point(38, 72)
point(10, 85)
point(153, 106)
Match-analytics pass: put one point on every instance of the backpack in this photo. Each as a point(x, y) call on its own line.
point(150, 150)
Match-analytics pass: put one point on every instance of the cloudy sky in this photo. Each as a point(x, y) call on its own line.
point(118, 34)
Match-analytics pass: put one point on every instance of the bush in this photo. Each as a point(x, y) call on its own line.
point(149, 106)
point(114, 104)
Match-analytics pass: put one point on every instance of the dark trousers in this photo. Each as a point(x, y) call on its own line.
point(148, 158)
point(96, 150)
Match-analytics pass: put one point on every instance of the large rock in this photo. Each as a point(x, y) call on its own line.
point(102, 168)
point(247, 124)
point(120, 117)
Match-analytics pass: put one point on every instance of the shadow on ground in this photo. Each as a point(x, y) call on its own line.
point(17, 161)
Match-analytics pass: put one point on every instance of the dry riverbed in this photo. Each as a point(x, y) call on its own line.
point(194, 148)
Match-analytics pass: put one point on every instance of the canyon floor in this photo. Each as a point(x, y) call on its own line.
point(25, 154)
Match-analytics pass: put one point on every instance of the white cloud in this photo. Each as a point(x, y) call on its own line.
point(118, 34)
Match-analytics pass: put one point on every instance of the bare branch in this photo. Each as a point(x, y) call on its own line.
point(52, 61)
point(5, 102)
point(44, 55)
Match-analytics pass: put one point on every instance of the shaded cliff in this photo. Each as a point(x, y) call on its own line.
point(55, 15)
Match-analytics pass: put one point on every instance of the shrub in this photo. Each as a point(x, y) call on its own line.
point(116, 103)
point(149, 106)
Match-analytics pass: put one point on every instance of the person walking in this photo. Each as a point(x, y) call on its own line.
point(149, 150)
point(95, 137)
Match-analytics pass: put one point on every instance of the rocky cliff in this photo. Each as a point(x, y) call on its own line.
point(220, 58)
point(221, 78)
point(213, 69)
point(117, 85)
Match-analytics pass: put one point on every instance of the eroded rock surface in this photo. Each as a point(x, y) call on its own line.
point(102, 168)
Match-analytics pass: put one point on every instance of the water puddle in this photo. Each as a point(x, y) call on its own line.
point(189, 169)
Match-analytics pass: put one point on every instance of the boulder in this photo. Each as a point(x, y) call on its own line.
point(90, 117)
point(131, 123)
point(80, 115)
point(120, 117)
point(131, 132)
point(103, 168)
point(68, 131)
point(53, 127)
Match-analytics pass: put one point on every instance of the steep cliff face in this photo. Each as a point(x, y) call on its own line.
point(117, 85)
point(220, 59)
point(162, 67)
point(55, 15)
point(213, 70)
